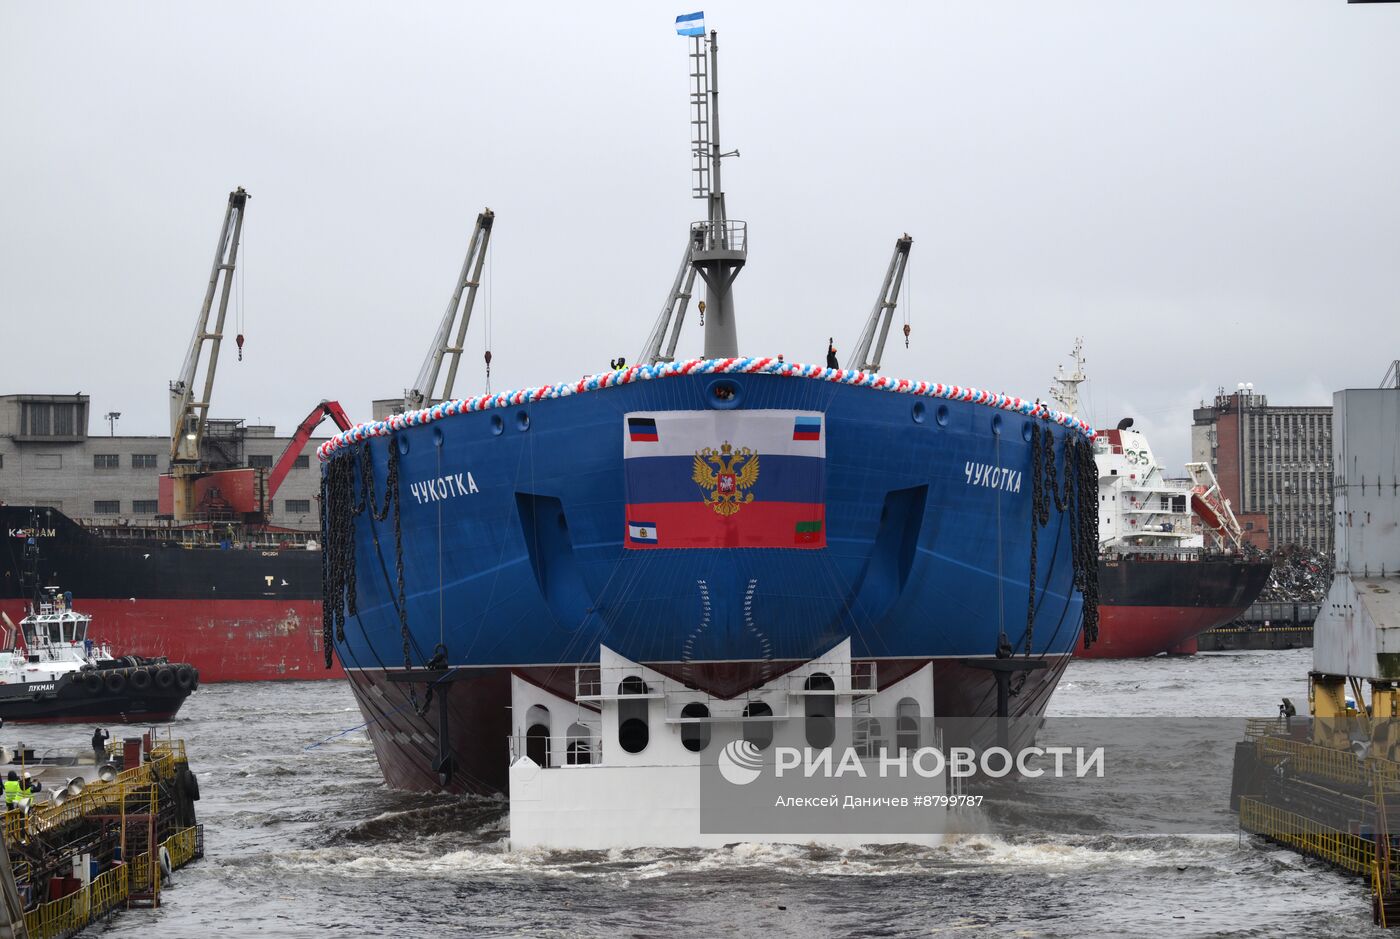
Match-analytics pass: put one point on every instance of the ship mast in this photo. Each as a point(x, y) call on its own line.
point(1064, 390)
point(718, 246)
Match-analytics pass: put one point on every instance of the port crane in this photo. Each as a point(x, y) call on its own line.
point(189, 413)
point(447, 345)
point(194, 481)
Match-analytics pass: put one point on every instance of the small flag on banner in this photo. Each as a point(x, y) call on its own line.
point(642, 429)
point(808, 532)
point(807, 428)
point(691, 24)
point(642, 532)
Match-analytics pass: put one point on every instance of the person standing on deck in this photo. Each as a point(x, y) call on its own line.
point(99, 746)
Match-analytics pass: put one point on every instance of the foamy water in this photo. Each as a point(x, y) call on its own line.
point(309, 843)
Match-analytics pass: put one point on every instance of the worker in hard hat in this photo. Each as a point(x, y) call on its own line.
point(13, 791)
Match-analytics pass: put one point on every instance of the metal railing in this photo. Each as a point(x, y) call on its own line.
point(67, 915)
point(96, 796)
point(728, 235)
point(1256, 727)
point(1347, 851)
point(578, 750)
point(1340, 766)
point(595, 683)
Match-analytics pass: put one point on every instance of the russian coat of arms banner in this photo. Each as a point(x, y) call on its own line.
point(725, 479)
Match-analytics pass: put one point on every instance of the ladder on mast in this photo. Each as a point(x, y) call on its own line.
point(424, 391)
point(699, 119)
point(882, 314)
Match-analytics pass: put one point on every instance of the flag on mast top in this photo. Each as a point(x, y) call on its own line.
point(691, 24)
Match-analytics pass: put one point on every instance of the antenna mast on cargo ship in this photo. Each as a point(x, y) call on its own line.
point(718, 246)
point(189, 416)
point(1064, 390)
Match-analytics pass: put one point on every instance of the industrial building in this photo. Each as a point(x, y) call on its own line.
point(48, 458)
point(1274, 463)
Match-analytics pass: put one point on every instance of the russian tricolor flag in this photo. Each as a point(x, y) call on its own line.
point(725, 479)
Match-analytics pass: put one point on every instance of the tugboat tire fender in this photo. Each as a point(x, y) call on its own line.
point(140, 679)
point(165, 678)
point(192, 786)
point(165, 866)
point(116, 681)
point(184, 677)
point(92, 682)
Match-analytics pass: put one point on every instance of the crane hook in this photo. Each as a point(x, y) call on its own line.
point(906, 335)
point(239, 340)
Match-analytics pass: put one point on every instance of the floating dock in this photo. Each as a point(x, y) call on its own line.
point(97, 837)
point(1329, 786)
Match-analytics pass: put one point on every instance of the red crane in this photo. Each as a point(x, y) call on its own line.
point(325, 409)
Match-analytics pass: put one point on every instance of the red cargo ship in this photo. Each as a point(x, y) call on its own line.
point(250, 613)
point(1172, 561)
point(1160, 584)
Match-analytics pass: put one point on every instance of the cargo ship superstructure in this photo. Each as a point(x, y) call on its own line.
point(719, 521)
point(1172, 561)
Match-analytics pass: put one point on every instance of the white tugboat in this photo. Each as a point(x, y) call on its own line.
point(53, 671)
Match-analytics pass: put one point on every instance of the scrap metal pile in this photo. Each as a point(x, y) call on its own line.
point(1299, 575)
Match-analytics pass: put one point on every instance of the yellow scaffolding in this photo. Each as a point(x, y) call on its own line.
point(1343, 849)
point(66, 915)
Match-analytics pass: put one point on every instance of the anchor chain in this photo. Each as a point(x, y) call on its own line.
point(343, 499)
point(1073, 490)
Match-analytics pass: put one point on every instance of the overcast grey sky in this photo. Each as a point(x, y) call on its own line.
point(1206, 190)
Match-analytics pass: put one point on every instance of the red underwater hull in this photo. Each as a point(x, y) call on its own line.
point(227, 640)
point(1129, 632)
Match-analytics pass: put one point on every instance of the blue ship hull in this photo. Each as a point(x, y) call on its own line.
point(511, 532)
